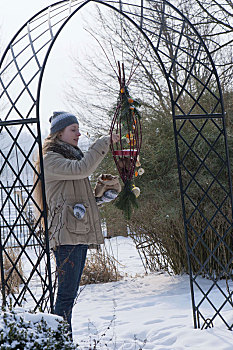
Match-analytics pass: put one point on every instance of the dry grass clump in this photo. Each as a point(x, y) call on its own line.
point(11, 276)
point(100, 268)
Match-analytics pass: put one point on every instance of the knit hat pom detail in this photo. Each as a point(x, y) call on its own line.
point(55, 114)
point(60, 120)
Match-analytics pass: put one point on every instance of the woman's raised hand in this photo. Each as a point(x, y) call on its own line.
point(115, 138)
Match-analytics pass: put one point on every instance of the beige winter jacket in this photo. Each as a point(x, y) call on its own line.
point(66, 184)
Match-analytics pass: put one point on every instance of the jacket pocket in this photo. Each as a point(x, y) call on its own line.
point(74, 225)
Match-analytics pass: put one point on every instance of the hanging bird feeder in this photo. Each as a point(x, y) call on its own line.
point(126, 123)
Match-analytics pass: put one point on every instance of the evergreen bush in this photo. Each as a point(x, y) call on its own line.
point(17, 333)
point(157, 227)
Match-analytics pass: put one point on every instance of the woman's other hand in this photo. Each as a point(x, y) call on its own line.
point(115, 138)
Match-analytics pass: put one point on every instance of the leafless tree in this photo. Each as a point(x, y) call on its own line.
point(114, 38)
point(214, 20)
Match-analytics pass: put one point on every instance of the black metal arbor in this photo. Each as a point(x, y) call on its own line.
point(200, 140)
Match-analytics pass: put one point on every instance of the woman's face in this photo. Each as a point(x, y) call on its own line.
point(70, 134)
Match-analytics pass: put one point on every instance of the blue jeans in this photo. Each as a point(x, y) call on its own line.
point(70, 261)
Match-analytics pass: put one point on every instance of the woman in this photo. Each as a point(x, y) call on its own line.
point(73, 215)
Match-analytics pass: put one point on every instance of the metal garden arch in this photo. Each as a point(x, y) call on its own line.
point(22, 68)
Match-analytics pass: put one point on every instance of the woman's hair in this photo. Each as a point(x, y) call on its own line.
point(51, 140)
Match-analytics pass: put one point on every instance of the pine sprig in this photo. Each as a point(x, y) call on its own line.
point(128, 107)
point(126, 200)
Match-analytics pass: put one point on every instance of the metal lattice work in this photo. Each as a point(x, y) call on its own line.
point(200, 140)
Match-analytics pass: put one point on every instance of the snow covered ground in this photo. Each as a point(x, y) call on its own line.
point(142, 311)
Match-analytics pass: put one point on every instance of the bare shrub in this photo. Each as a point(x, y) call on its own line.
point(160, 238)
point(12, 278)
point(162, 243)
point(100, 267)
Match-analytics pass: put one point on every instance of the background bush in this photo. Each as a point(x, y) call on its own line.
point(157, 227)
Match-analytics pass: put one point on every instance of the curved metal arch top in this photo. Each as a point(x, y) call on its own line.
point(179, 49)
point(24, 60)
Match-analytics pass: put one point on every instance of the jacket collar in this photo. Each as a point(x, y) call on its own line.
point(66, 150)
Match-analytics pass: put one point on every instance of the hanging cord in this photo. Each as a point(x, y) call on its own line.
point(118, 71)
point(103, 51)
point(132, 71)
point(121, 29)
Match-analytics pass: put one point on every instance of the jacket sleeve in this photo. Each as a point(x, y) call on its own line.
point(56, 167)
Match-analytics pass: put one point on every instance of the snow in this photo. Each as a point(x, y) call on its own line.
point(142, 311)
point(51, 320)
point(155, 308)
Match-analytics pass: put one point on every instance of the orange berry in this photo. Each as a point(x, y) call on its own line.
point(122, 90)
point(130, 100)
point(129, 136)
point(136, 173)
point(132, 142)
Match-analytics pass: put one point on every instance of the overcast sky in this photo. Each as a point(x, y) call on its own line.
point(14, 13)
point(59, 70)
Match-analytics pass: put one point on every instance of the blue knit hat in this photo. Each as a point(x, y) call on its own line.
point(61, 120)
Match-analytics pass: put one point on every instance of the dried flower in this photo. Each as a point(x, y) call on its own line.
point(136, 191)
point(141, 171)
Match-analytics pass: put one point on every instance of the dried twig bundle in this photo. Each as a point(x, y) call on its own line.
point(100, 268)
point(12, 278)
